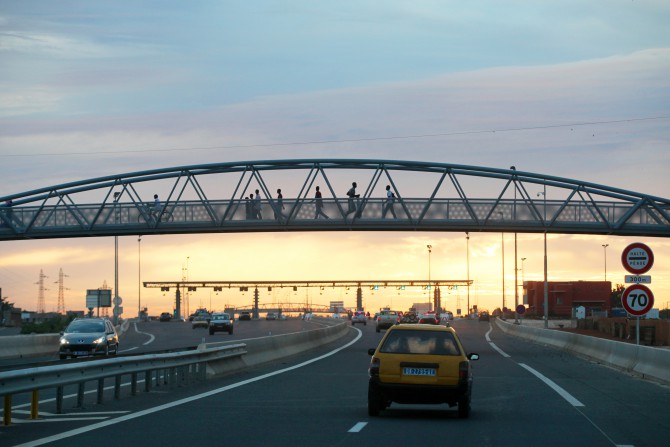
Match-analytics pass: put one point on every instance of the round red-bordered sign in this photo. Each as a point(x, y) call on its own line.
point(637, 300)
point(637, 258)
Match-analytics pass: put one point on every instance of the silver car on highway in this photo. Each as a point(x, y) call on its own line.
point(88, 336)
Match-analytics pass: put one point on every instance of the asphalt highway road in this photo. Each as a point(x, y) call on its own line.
point(524, 394)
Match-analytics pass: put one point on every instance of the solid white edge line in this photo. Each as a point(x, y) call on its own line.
point(500, 351)
point(129, 349)
point(176, 403)
point(151, 336)
point(358, 427)
point(561, 392)
point(43, 421)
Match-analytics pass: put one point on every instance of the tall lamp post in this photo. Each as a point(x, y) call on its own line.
point(502, 234)
point(467, 243)
point(605, 254)
point(139, 278)
point(430, 249)
point(523, 281)
point(516, 281)
point(116, 261)
point(546, 281)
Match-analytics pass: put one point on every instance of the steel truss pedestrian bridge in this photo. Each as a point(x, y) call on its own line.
point(426, 197)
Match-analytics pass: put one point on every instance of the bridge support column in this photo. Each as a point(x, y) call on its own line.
point(437, 300)
point(359, 298)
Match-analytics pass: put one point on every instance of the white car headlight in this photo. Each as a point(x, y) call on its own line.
point(99, 341)
point(64, 341)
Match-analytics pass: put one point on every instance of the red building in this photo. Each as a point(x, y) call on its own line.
point(564, 296)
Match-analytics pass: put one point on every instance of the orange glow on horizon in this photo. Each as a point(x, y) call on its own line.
point(318, 256)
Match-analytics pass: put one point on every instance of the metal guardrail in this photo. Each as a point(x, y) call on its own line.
point(170, 368)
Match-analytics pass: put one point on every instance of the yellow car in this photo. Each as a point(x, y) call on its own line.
point(420, 364)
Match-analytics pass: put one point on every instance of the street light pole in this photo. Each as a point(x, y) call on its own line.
point(523, 281)
point(546, 286)
point(502, 234)
point(467, 243)
point(116, 261)
point(430, 248)
point(605, 250)
point(516, 278)
point(546, 282)
point(139, 278)
point(503, 275)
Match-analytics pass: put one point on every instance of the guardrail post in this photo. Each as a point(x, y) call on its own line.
point(59, 399)
point(147, 380)
point(80, 394)
point(34, 404)
point(133, 384)
point(7, 416)
point(101, 389)
point(117, 387)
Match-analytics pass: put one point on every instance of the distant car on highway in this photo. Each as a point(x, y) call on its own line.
point(429, 319)
point(386, 318)
point(409, 317)
point(271, 316)
point(447, 315)
point(88, 336)
point(200, 321)
point(244, 315)
point(420, 364)
point(221, 322)
point(165, 316)
point(484, 316)
point(359, 317)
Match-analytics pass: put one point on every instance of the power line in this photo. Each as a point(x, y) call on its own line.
point(351, 140)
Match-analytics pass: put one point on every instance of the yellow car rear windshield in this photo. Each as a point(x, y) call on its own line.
point(420, 342)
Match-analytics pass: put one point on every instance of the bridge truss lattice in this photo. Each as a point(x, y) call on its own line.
point(427, 197)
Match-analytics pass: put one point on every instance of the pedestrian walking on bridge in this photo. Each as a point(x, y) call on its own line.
point(352, 195)
point(319, 205)
point(388, 205)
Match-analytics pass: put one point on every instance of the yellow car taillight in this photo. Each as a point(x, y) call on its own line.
point(373, 370)
point(463, 371)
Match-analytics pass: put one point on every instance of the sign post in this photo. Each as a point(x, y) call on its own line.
point(637, 299)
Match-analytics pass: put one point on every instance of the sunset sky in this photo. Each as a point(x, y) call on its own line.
point(569, 88)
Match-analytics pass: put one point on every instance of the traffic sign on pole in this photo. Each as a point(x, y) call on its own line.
point(637, 300)
point(637, 258)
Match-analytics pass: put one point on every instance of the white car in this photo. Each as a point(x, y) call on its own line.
point(447, 316)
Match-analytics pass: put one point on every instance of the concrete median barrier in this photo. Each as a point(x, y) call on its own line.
point(20, 346)
point(646, 361)
point(273, 347)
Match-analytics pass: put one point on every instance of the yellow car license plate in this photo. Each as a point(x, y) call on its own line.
point(410, 371)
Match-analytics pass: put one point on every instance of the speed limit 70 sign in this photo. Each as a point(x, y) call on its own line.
point(637, 300)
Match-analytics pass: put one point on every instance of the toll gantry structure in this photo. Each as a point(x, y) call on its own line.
point(432, 286)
